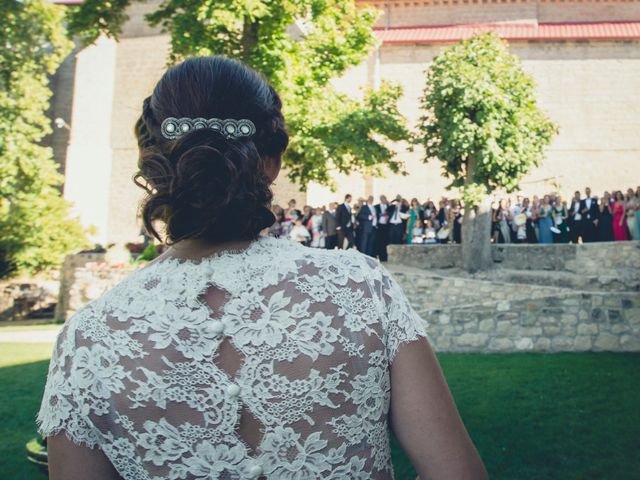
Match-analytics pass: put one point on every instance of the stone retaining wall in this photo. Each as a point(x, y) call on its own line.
point(468, 315)
point(587, 258)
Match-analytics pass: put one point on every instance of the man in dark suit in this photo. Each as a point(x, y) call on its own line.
point(382, 234)
point(344, 228)
point(590, 212)
point(368, 221)
point(397, 224)
point(575, 221)
point(329, 225)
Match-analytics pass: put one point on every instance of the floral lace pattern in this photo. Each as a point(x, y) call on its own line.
point(268, 363)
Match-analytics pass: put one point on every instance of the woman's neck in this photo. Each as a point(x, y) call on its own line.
point(196, 249)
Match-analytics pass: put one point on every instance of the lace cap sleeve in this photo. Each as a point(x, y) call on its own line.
point(401, 322)
point(60, 409)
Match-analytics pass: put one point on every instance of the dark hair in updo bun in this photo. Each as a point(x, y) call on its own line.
point(203, 185)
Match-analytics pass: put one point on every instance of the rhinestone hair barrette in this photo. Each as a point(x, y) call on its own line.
point(173, 128)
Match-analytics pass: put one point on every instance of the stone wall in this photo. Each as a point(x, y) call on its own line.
point(21, 298)
point(573, 322)
point(541, 298)
point(603, 266)
point(85, 277)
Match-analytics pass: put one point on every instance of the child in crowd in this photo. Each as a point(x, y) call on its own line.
point(429, 232)
point(299, 232)
point(417, 234)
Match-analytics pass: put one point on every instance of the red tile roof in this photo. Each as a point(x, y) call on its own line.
point(543, 31)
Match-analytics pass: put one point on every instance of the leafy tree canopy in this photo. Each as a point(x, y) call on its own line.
point(482, 120)
point(35, 228)
point(300, 46)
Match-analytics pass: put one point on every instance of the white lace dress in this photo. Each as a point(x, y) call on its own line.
point(270, 363)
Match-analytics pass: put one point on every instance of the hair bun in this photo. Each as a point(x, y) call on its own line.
point(204, 176)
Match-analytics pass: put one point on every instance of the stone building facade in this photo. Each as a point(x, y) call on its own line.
point(584, 55)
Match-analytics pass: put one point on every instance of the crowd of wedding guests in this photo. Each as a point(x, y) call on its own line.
point(370, 226)
point(551, 219)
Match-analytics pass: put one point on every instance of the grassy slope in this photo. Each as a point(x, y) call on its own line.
point(532, 416)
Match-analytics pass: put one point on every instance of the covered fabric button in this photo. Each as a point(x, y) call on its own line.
point(255, 471)
point(233, 390)
point(217, 326)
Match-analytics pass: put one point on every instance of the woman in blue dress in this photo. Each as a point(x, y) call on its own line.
point(545, 222)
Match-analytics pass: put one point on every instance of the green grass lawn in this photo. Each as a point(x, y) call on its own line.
point(532, 416)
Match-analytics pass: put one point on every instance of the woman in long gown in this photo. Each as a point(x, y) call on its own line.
point(415, 214)
point(631, 214)
point(636, 236)
point(619, 217)
point(545, 222)
point(605, 221)
point(559, 214)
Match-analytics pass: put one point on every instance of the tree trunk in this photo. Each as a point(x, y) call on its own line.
point(249, 39)
point(476, 231)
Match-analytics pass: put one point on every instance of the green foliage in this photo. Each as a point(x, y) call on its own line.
point(300, 46)
point(149, 253)
point(481, 119)
point(35, 229)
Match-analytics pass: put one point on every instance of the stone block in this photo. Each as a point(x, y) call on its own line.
point(542, 344)
point(503, 306)
point(487, 325)
point(524, 344)
point(531, 331)
point(551, 330)
point(562, 344)
point(633, 315)
point(630, 343)
point(587, 329)
point(614, 316)
point(582, 343)
point(547, 319)
point(504, 327)
point(569, 319)
point(471, 340)
point(501, 344)
point(442, 343)
point(597, 315)
point(606, 341)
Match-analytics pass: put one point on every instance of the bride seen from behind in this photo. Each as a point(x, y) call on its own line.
point(234, 355)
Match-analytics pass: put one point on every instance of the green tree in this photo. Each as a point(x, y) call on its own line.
point(300, 46)
point(35, 228)
point(482, 122)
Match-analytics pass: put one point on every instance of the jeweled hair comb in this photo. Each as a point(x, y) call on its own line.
point(173, 128)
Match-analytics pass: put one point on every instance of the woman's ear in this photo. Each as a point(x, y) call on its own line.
point(272, 167)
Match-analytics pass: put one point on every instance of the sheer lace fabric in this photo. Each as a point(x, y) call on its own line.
point(268, 363)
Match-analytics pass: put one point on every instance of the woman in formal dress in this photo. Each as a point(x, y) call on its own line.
point(619, 218)
point(530, 212)
point(545, 222)
point(630, 206)
point(605, 219)
point(501, 218)
point(559, 215)
point(415, 214)
point(636, 199)
point(236, 356)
